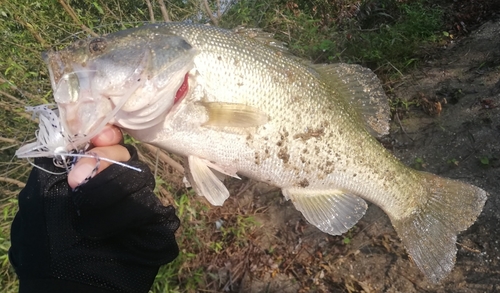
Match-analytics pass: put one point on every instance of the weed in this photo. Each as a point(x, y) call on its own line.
point(396, 39)
point(180, 275)
point(347, 237)
point(419, 164)
point(399, 104)
point(491, 161)
point(485, 161)
point(127, 139)
point(234, 233)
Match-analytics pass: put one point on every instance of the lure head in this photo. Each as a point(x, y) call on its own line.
point(129, 78)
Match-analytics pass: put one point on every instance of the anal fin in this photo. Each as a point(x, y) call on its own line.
point(332, 211)
point(205, 182)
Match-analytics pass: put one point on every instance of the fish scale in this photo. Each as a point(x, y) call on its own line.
point(253, 109)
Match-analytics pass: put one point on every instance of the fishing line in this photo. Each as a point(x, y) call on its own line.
point(95, 156)
point(69, 166)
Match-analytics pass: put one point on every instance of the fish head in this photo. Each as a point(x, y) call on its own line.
point(129, 78)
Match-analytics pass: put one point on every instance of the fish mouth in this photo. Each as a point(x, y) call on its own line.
point(82, 109)
point(131, 94)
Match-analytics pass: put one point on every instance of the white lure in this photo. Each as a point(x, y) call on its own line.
point(52, 141)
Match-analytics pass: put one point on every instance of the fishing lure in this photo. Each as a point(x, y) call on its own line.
point(52, 141)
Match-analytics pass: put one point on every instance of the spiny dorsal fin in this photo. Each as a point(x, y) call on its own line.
point(332, 211)
point(365, 93)
point(233, 115)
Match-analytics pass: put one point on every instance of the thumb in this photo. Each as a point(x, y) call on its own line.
point(110, 135)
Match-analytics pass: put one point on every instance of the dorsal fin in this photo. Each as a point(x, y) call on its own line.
point(365, 93)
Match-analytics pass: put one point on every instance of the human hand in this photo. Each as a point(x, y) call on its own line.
point(109, 235)
point(106, 145)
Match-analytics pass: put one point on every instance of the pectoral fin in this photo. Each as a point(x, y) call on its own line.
point(233, 115)
point(205, 182)
point(332, 211)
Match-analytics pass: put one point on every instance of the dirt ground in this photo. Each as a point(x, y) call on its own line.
point(451, 128)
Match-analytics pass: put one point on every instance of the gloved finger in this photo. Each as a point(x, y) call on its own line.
point(110, 135)
point(84, 168)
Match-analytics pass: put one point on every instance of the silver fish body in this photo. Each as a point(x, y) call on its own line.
point(233, 105)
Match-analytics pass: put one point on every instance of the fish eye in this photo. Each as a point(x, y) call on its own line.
point(97, 45)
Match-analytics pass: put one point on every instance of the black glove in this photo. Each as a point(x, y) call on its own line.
point(111, 235)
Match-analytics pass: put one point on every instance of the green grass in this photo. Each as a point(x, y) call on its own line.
point(8, 281)
point(180, 275)
point(200, 240)
point(386, 35)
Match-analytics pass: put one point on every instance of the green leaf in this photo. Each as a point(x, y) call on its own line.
point(99, 8)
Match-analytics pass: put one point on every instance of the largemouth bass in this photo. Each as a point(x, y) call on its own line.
point(234, 105)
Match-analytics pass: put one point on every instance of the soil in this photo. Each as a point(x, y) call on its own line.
point(451, 128)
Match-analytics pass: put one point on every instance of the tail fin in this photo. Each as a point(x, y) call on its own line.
point(430, 232)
